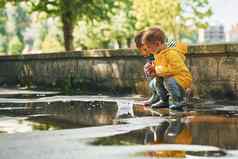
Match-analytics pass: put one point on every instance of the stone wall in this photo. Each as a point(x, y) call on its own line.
point(214, 69)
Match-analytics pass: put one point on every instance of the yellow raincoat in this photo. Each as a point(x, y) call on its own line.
point(170, 62)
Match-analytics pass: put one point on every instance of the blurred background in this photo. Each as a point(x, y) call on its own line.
point(40, 26)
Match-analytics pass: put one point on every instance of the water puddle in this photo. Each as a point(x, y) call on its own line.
point(181, 154)
point(163, 151)
point(220, 131)
point(21, 124)
point(83, 113)
point(109, 122)
point(219, 153)
point(42, 122)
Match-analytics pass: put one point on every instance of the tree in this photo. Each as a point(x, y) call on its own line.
point(3, 39)
point(72, 11)
point(13, 22)
point(194, 15)
point(176, 17)
point(116, 32)
point(15, 46)
point(123, 24)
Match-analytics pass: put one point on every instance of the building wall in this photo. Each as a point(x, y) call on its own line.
point(214, 69)
point(233, 33)
point(214, 33)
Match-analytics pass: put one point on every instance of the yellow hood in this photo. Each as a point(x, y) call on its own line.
point(182, 48)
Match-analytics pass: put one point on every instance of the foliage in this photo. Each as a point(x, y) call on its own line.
point(13, 22)
point(16, 24)
point(116, 32)
point(3, 38)
point(179, 18)
point(15, 46)
point(72, 11)
point(3, 44)
point(176, 17)
point(50, 44)
point(194, 15)
point(94, 24)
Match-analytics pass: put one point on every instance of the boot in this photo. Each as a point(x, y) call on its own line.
point(177, 105)
point(163, 103)
point(153, 99)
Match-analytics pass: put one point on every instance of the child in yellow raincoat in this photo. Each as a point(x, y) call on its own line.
point(169, 64)
point(156, 89)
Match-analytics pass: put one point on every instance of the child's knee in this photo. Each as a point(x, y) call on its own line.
point(152, 84)
point(170, 82)
point(189, 92)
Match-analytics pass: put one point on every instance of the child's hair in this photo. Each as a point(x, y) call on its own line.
point(154, 35)
point(138, 39)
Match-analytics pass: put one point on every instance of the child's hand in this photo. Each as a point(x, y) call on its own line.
point(149, 69)
point(159, 69)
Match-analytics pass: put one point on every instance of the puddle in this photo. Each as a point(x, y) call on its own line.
point(181, 154)
point(50, 122)
point(206, 153)
point(217, 131)
point(149, 135)
point(33, 123)
point(162, 151)
point(162, 154)
point(116, 122)
point(91, 113)
point(21, 124)
point(76, 114)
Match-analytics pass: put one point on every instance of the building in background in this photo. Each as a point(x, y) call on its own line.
point(215, 34)
point(233, 33)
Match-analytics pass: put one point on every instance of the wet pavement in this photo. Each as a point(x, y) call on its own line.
point(55, 126)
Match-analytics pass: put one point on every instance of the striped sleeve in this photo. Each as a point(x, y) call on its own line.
point(171, 43)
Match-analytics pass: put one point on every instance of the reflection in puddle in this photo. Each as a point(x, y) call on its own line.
point(90, 113)
point(150, 135)
point(35, 123)
point(207, 153)
point(173, 154)
point(125, 109)
point(181, 154)
point(87, 113)
point(14, 125)
point(75, 114)
point(146, 111)
point(192, 131)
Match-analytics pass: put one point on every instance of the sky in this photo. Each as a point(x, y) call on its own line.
point(224, 12)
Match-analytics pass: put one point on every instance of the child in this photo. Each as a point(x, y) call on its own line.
point(169, 64)
point(157, 90)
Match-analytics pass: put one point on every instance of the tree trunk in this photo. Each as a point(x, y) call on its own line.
point(68, 28)
point(119, 43)
point(128, 42)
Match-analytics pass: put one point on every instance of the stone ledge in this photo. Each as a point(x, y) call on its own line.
point(100, 53)
point(213, 48)
point(201, 49)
